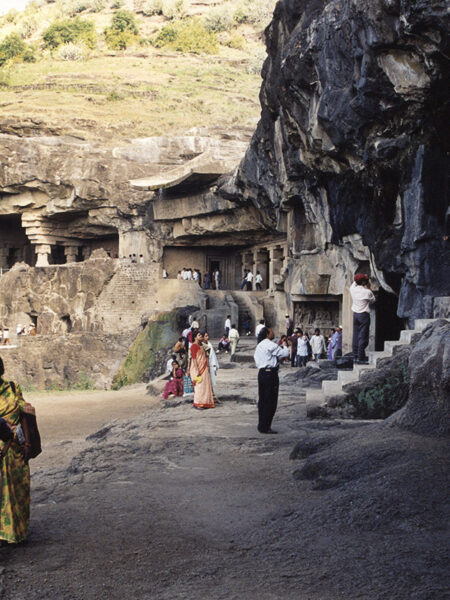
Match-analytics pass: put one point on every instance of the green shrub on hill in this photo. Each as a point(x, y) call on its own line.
point(13, 47)
point(79, 6)
point(124, 20)
point(72, 51)
point(152, 7)
point(218, 19)
point(173, 9)
point(122, 32)
point(28, 26)
point(255, 12)
point(70, 30)
point(187, 36)
point(117, 4)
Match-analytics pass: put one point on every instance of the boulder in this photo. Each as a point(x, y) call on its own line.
point(428, 408)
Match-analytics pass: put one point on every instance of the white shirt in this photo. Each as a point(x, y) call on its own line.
point(227, 323)
point(267, 354)
point(362, 298)
point(234, 334)
point(249, 276)
point(258, 329)
point(258, 278)
point(317, 344)
point(302, 347)
point(169, 365)
point(195, 276)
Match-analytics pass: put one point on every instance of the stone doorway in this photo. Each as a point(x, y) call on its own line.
point(387, 324)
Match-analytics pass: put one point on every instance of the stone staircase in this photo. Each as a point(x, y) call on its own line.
point(251, 303)
point(130, 293)
point(333, 389)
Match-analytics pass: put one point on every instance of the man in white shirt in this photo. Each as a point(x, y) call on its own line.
point(266, 356)
point(259, 327)
point(258, 281)
point(227, 325)
point(317, 342)
point(234, 337)
point(249, 281)
point(362, 297)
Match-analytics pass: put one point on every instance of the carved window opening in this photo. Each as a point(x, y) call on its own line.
point(67, 323)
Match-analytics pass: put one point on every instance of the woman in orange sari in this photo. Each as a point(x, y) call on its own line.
point(199, 372)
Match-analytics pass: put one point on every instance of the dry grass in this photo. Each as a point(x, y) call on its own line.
point(141, 92)
point(129, 96)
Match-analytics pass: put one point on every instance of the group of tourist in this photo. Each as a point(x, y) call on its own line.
point(193, 367)
point(247, 280)
point(305, 347)
point(189, 274)
point(210, 280)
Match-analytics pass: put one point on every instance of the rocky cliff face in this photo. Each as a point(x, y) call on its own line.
point(354, 139)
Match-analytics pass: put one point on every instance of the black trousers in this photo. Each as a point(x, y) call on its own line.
point(268, 384)
point(361, 326)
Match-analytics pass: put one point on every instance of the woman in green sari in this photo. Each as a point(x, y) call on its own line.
point(15, 473)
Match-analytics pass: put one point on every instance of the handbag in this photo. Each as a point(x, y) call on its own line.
point(32, 446)
point(188, 387)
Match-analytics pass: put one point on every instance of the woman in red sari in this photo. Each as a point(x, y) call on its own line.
point(199, 372)
point(175, 385)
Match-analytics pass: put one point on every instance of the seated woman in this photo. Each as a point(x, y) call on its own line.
point(224, 343)
point(175, 385)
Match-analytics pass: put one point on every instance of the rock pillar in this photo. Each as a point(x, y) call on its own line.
point(4, 256)
point(42, 251)
point(71, 253)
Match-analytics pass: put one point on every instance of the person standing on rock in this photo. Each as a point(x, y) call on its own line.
point(294, 339)
point(289, 326)
point(199, 373)
point(217, 279)
point(362, 297)
point(249, 281)
point(227, 325)
point(302, 351)
point(259, 328)
point(234, 338)
point(317, 345)
point(267, 356)
point(258, 281)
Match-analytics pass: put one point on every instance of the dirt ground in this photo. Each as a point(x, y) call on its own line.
point(173, 503)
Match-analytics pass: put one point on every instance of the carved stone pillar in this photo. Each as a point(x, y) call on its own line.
point(271, 265)
point(4, 250)
point(42, 251)
point(71, 253)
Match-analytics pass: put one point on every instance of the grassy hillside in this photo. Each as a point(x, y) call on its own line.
point(180, 64)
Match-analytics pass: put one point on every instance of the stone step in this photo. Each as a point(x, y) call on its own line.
point(347, 376)
point(374, 355)
point(391, 344)
point(407, 335)
point(331, 387)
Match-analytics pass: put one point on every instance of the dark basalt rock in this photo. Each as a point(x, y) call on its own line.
point(355, 130)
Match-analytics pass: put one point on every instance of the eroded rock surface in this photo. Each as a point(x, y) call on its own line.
point(354, 140)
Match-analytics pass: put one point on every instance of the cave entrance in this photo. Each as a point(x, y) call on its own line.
point(14, 244)
point(387, 324)
point(67, 323)
point(57, 255)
